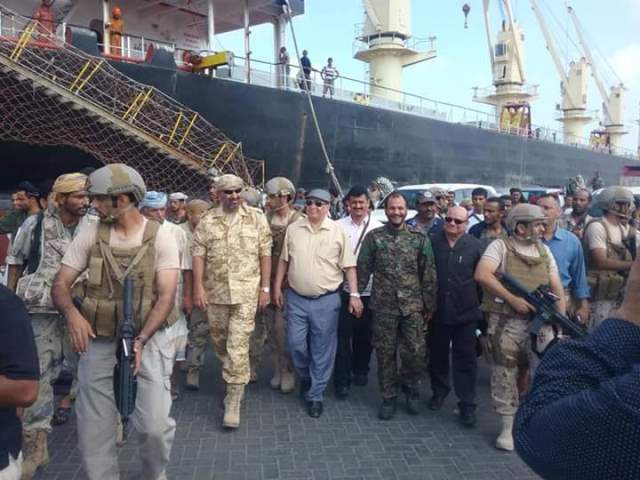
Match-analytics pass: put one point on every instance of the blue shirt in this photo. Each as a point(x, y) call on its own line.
point(437, 225)
point(581, 419)
point(567, 250)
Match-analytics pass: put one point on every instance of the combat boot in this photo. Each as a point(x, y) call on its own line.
point(193, 379)
point(232, 403)
point(387, 409)
point(505, 439)
point(413, 400)
point(35, 451)
point(277, 377)
point(287, 382)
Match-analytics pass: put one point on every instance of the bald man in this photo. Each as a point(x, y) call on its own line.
point(457, 315)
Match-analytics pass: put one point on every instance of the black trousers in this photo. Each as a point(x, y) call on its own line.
point(354, 343)
point(462, 339)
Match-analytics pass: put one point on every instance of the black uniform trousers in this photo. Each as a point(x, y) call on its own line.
point(354, 343)
point(459, 341)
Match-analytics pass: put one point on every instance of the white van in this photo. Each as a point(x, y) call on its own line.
point(411, 192)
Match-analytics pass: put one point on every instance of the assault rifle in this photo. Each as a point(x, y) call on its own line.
point(125, 384)
point(543, 300)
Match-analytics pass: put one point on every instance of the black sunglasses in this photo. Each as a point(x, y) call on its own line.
point(317, 203)
point(231, 192)
point(457, 221)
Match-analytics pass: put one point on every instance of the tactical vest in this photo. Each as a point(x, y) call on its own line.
point(108, 267)
point(606, 284)
point(531, 272)
point(277, 235)
point(52, 243)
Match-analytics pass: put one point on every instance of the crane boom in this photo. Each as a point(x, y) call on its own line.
point(594, 71)
point(516, 43)
point(371, 13)
point(487, 26)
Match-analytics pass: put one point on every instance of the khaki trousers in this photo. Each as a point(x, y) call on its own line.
point(98, 416)
point(231, 327)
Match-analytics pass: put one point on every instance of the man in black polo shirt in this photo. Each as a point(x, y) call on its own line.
point(457, 315)
point(19, 375)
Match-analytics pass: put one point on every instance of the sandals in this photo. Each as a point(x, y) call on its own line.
point(61, 416)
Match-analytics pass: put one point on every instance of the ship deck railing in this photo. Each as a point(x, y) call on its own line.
point(347, 89)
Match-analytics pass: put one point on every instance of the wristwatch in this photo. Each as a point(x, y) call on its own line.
point(265, 289)
point(354, 295)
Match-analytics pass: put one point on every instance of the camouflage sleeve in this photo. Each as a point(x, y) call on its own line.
point(199, 242)
point(264, 236)
point(429, 277)
point(366, 261)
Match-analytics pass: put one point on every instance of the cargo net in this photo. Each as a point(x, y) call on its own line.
point(54, 94)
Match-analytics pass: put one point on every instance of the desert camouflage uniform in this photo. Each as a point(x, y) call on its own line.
point(404, 289)
point(48, 325)
point(256, 345)
point(575, 226)
point(231, 247)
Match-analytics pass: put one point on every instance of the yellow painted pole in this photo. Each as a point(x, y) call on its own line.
point(133, 104)
point(186, 132)
point(215, 159)
point(82, 70)
point(139, 107)
point(22, 42)
point(88, 77)
point(175, 128)
point(230, 156)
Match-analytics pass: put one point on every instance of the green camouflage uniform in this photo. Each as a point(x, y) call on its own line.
point(48, 325)
point(404, 289)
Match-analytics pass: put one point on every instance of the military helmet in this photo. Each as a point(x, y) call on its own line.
point(616, 200)
point(280, 186)
point(524, 213)
point(251, 196)
point(385, 185)
point(438, 191)
point(116, 179)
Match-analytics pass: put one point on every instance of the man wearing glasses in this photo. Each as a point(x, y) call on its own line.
point(457, 315)
point(232, 243)
point(316, 255)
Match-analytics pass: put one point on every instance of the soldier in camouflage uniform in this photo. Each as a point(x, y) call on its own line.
point(402, 301)
point(198, 324)
point(523, 256)
point(56, 227)
point(280, 215)
point(233, 244)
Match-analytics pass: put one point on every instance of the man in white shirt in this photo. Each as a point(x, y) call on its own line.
point(354, 334)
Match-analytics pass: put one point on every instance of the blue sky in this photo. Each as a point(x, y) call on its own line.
point(327, 29)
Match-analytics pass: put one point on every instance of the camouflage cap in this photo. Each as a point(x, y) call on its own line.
point(70, 183)
point(229, 182)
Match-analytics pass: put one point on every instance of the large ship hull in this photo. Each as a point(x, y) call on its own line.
point(363, 141)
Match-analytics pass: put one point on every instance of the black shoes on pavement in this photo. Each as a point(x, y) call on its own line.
point(360, 379)
point(305, 385)
point(468, 417)
point(387, 409)
point(342, 391)
point(413, 401)
point(435, 402)
point(314, 409)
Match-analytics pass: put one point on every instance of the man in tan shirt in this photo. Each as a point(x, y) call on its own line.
point(316, 255)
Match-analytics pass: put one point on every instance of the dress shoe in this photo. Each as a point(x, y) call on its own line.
point(435, 403)
point(314, 408)
point(342, 391)
point(360, 379)
point(387, 409)
point(305, 385)
point(467, 417)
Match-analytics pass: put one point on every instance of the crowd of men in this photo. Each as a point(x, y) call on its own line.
point(315, 277)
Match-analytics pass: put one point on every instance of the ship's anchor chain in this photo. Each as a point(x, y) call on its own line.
point(330, 168)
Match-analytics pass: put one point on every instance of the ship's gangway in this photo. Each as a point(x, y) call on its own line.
point(54, 94)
